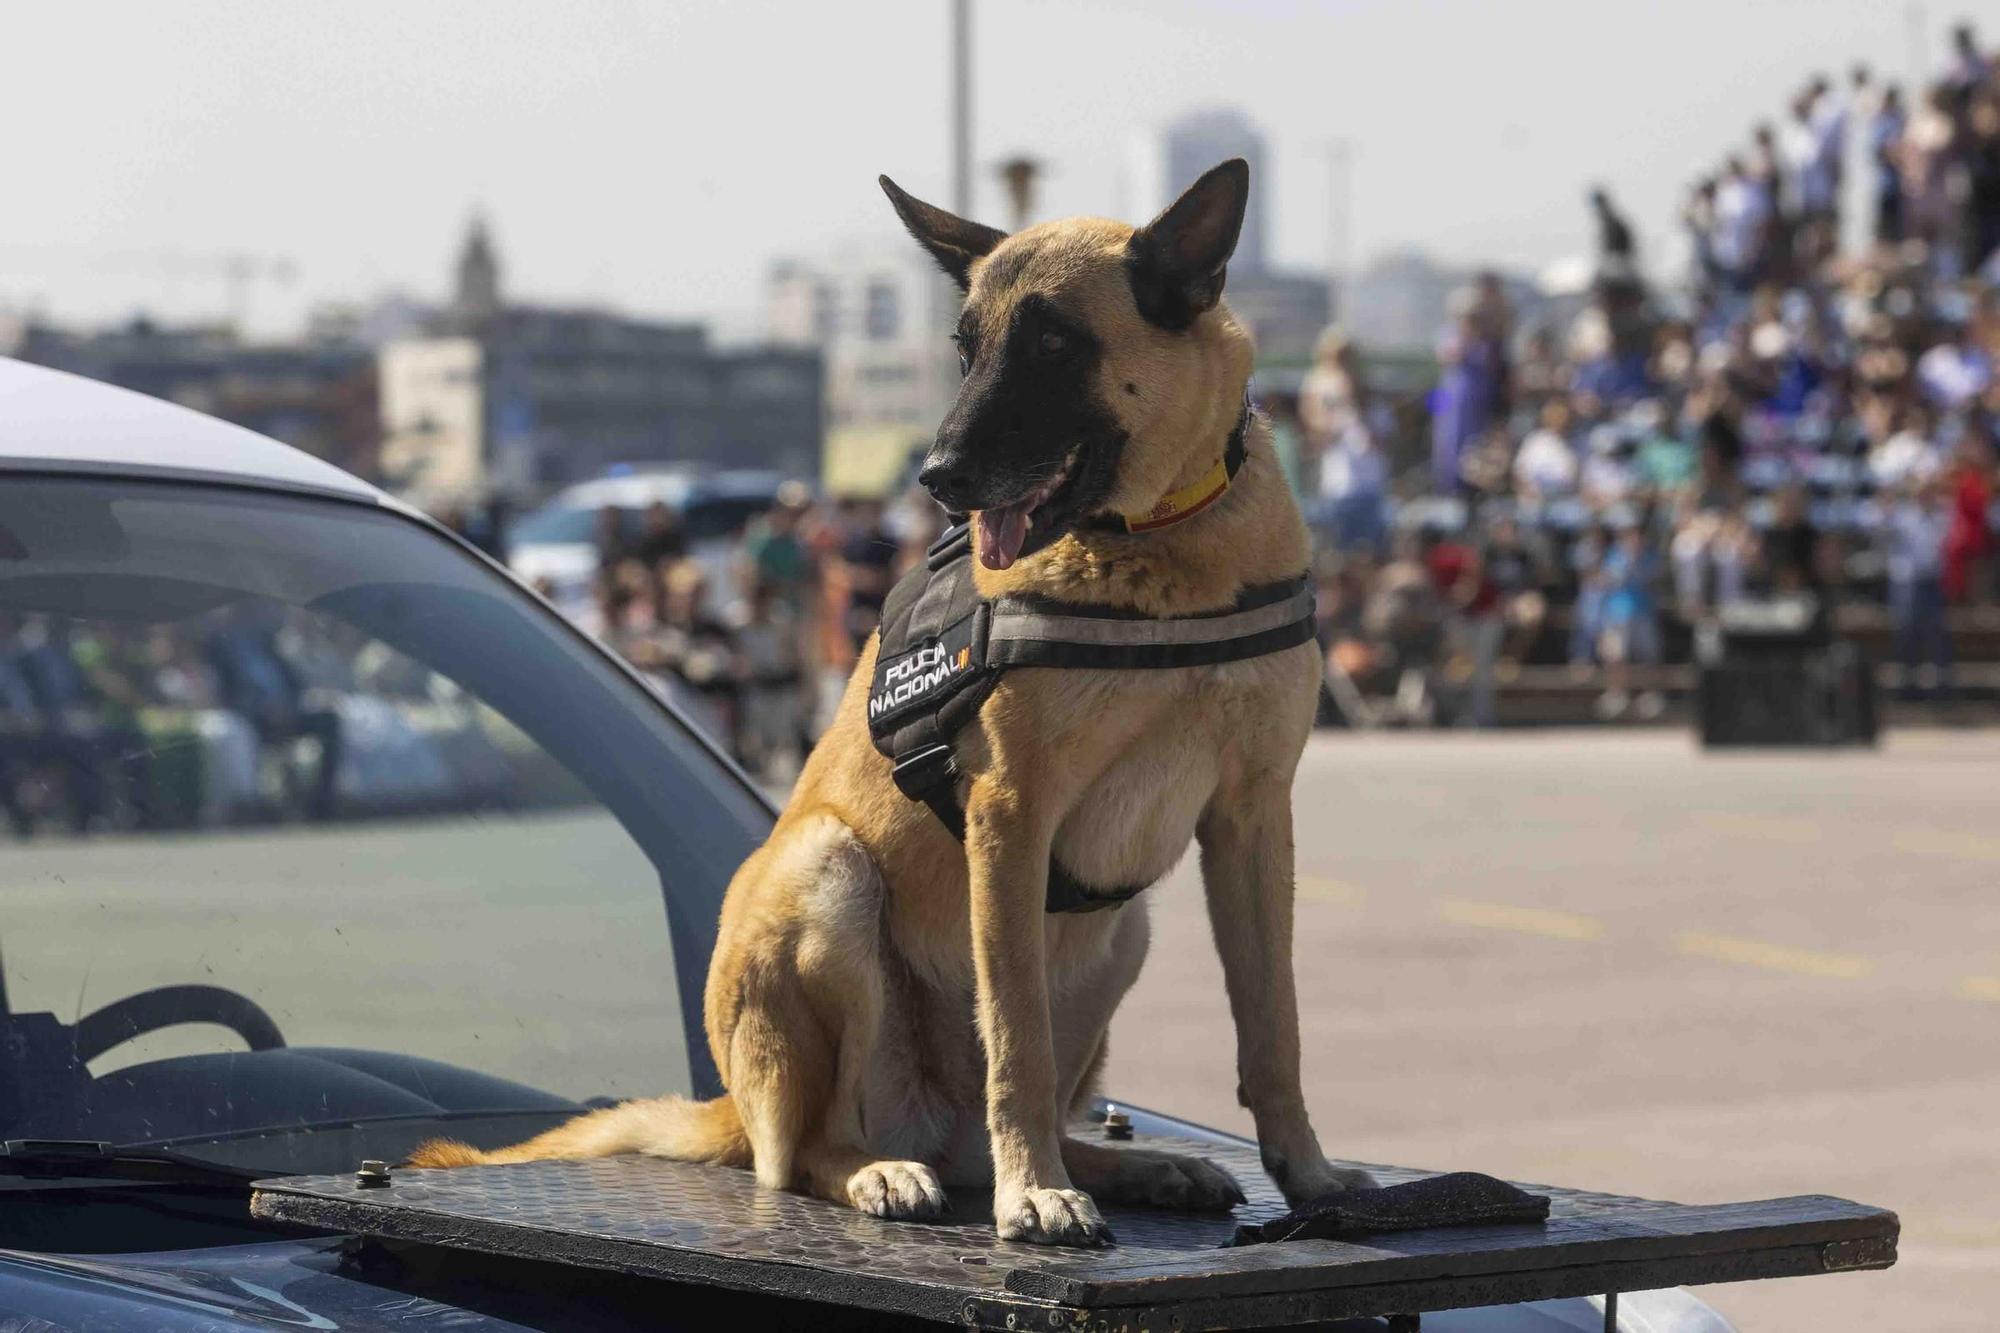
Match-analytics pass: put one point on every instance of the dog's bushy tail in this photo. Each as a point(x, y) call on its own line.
point(671, 1127)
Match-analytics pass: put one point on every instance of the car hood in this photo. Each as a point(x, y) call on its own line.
point(281, 1284)
point(324, 1283)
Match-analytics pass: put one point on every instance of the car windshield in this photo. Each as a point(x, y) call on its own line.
point(722, 515)
point(702, 517)
point(319, 828)
point(557, 523)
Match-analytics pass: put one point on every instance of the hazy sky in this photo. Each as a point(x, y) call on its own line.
point(657, 155)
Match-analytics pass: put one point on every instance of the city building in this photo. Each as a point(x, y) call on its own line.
point(879, 316)
point(1192, 143)
point(317, 394)
point(501, 398)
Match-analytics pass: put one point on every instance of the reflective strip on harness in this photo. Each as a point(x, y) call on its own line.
point(1021, 635)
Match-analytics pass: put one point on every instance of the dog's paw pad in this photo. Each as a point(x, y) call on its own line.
point(1051, 1217)
point(904, 1191)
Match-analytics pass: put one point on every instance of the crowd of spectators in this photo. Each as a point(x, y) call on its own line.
point(750, 644)
point(94, 714)
point(1798, 418)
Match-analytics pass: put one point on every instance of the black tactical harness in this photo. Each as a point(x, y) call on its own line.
point(944, 647)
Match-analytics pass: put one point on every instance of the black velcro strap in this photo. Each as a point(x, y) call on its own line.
point(930, 775)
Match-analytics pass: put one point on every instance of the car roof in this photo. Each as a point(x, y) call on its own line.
point(54, 421)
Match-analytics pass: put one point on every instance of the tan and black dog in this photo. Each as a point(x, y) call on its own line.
point(863, 949)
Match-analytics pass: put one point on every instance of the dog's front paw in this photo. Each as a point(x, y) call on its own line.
point(1301, 1182)
point(904, 1191)
point(1303, 1187)
point(1169, 1180)
point(1050, 1217)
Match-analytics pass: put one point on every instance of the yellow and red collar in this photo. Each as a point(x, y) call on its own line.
point(1185, 503)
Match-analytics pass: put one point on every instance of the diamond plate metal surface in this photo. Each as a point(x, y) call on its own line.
point(715, 1224)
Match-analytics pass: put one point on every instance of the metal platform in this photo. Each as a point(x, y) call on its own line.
point(714, 1226)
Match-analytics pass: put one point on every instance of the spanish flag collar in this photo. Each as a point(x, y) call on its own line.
point(1178, 506)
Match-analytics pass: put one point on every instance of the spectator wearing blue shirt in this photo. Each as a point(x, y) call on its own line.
point(1917, 528)
point(1631, 616)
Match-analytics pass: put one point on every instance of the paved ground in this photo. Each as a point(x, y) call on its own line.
point(1588, 958)
point(1614, 962)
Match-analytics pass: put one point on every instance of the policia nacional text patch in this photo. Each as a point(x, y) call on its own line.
point(906, 681)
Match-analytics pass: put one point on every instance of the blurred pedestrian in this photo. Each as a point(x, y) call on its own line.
point(1471, 393)
point(1885, 150)
point(773, 720)
point(661, 541)
point(1631, 624)
point(1919, 524)
point(1519, 568)
point(1745, 212)
point(1473, 622)
point(1981, 228)
point(609, 538)
point(1969, 66)
point(1545, 466)
point(1968, 543)
point(774, 554)
point(868, 569)
point(1333, 400)
point(1790, 547)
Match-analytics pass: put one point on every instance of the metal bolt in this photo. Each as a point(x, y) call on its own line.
point(1117, 1125)
point(373, 1175)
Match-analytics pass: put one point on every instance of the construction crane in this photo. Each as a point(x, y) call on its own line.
point(237, 270)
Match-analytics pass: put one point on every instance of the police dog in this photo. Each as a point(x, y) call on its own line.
point(862, 947)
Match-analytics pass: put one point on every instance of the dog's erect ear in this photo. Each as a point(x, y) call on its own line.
point(952, 240)
point(1177, 260)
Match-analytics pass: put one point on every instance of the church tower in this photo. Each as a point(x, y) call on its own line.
point(477, 298)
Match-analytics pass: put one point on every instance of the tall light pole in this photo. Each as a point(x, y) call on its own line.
point(1916, 38)
point(1340, 205)
point(961, 107)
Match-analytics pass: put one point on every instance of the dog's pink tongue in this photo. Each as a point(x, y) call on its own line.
point(1002, 532)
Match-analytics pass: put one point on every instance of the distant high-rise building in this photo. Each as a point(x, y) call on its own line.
point(1284, 310)
point(1199, 140)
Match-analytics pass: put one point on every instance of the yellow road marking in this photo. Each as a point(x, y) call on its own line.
point(1979, 988)
point(1944, 842)
point(1777, 957)
point(1322, 890)
point(1773, 827)
point(1526, 920)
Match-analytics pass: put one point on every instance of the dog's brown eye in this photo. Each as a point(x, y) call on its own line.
point(1053, 343)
